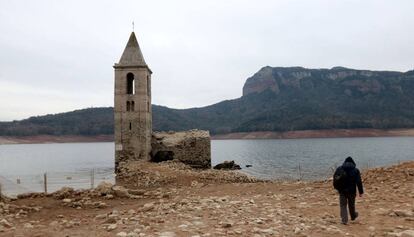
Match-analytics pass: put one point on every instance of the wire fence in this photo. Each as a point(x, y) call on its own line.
point(301, 172)
point(12, 185)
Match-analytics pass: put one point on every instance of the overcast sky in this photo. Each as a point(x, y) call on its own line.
point(57, 56)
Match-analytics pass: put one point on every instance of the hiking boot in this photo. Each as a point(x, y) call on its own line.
point(356, 216)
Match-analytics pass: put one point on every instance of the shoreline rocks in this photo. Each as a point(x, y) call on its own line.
point(227, 165)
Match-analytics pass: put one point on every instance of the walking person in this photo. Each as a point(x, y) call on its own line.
point(346, 180)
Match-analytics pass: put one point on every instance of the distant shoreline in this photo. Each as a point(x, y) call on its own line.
point(44, 139)
point(328, 133)
point(331, 133)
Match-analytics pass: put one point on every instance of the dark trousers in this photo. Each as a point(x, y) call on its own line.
point(344, 201)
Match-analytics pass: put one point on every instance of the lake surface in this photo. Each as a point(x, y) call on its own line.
point(311, 158)
point(70, 163)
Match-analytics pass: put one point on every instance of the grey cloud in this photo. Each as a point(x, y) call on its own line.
point(57, 55)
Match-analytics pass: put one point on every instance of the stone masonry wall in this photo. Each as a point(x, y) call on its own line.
point(190, 147)
point(133, 127)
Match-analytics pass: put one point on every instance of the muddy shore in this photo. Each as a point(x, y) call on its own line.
point(170, 199)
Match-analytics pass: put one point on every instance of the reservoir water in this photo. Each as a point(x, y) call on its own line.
point(270, 159)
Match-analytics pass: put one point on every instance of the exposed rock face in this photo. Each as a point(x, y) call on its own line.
point(276, 78)
point(261, 81)
point(372, 86)
point(190, 147)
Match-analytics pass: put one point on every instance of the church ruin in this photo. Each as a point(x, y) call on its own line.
point(133, 118)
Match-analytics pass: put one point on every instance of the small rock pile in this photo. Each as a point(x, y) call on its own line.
point(138, 175)
point(87, 198)
point(146, 175)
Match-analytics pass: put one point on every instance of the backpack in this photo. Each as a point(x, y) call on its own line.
point(339, 179)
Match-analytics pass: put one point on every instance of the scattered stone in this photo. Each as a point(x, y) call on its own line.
point(54, 223)
point(28, 226)
point(5, 223)
point(226, 224)
point(259, 221)
point(404, 213)
point(101, 217)
point(100, 204)
point(109, 196)
point(64, 192)
point(67, 200)
point(137, 192)
point(147, 207)
point(104, 188)
point(381, 212)
point(122, 234)
point(120, 191)
point(111, 227)
point(29, 195)
point(167, 234)
point(407, 233)
point(133, 234)
point(268, 231)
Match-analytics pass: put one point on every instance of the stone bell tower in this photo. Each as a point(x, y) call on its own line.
point(132, 105)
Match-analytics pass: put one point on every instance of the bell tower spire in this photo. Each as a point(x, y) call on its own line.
point(132, 105)
point(132, 55)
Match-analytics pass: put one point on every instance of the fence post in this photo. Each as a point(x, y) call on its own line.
point(92, 178)
point(45, 182)
point(1, 195)
point(300, 171)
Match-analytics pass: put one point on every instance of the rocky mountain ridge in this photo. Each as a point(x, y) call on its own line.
point(274, 99)
point(275, 77)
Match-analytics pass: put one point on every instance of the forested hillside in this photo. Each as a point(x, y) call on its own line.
point(274, 99)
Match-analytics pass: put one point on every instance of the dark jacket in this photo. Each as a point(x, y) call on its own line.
point(353, 178)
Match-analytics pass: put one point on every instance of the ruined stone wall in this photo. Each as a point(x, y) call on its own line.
point(190, 147)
